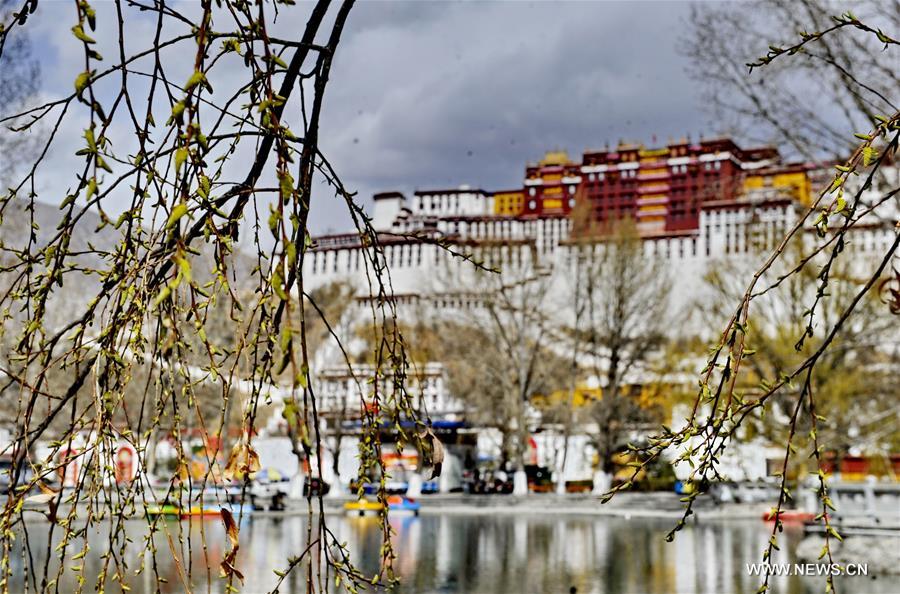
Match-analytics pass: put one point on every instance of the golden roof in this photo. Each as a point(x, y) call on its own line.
point(555, 158)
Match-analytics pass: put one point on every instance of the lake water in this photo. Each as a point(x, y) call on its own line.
point(483, 553)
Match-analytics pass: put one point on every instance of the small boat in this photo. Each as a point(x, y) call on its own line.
point(789, 515)
point(401, 505)
point(167, 511)
point(201, 511)
point(362, 507)
point(397, 504)
point(176, 511)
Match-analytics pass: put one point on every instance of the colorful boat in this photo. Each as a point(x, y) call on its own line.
point(201, 511)
point(167, 511)
point(789, 515)
point(397, 505)
point(400, 505)
point(176, 511)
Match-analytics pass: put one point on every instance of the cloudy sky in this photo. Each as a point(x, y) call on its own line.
point(438, 94)
point(441, 94)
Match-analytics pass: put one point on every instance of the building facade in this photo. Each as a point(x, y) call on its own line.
point(696, 206)
point(693, 204)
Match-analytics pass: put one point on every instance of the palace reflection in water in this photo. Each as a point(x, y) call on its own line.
point(479, 553)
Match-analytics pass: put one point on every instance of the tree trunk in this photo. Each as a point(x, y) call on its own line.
point(520, 479)
point(337, 484)
point(608, 436)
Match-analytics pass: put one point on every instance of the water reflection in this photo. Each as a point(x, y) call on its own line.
point(466, 553)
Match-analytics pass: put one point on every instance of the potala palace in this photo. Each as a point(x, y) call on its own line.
point(695, 205)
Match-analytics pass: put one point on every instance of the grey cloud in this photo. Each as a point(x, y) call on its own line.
point(427, 94)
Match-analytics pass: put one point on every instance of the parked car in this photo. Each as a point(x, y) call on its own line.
point(539, 479)
point(490, 483)
point(370, 487)
point(315, 486)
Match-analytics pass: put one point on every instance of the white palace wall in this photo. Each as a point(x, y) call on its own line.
point(736, 235)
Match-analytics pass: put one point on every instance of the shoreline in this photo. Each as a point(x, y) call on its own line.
point(642, 505)
point(625, 505)
point(628, 505)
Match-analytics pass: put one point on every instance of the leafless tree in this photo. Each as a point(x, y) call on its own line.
point(807, 103)
point(19, 82)
point(508, 314)
point(856, 392)
point(621, 305)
